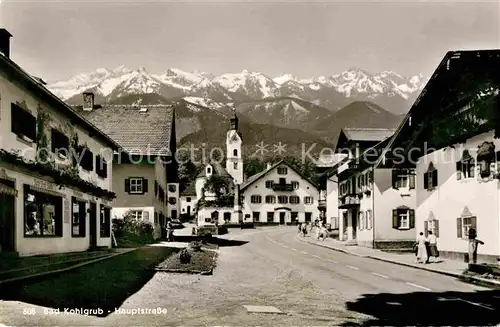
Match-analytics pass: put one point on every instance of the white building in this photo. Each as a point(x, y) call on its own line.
point(144, 175)
point(279, 195)
point(55, 169)
point(451, 132)
point(188, 201)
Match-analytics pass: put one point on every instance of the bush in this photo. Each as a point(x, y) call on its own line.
point(185, 256)
point(129, 232)
point(195, 245)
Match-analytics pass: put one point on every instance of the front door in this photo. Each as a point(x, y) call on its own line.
point(354, 219)
point(93, 225)
point(174, 214)
point(7, 221)
point(282, 217)
point(189, 210)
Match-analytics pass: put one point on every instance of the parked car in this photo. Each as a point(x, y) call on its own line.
point(206, 227)
point(176, 224)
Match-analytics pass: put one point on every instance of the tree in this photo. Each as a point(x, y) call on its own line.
point(218, 185)
point(187, 171)
point(252, 166)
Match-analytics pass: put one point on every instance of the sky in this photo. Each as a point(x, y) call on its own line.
point(59, 39)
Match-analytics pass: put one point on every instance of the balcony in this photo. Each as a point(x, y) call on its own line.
point(348, 201)
point(283, 187)
point(321, 204)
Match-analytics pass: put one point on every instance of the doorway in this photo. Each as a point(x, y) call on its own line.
point(354, 219)
point(174, 214)
point(282, 218)
point(189, 210)
point(93, 225)
point(7, 216)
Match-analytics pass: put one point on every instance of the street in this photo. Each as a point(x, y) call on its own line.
point(311, 285)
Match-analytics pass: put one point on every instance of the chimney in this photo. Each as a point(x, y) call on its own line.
point(5, 42)
point(269, 165)
point(88, 101)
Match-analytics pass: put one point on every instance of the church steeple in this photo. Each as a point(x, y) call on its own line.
point(234, 156)
point(234, 123)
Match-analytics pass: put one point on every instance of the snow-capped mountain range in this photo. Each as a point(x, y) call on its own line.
point(388, 89)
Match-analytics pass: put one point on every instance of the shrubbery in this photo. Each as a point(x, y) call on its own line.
point(130, 232)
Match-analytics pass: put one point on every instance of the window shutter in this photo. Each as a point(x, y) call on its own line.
point(459, 171)
point(145, 215)
point(426, 181)
point(459, 227)
point(435, 178)
point(473, 223)
point(411, 181)
point(394, 178)
point(412, 218)
point(127, 185)
point(395, 219)
point(426, 228)
point(436, 228)
point(144, 185)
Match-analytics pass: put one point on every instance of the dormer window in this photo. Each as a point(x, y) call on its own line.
point(430, 177)
point(485, 157)
point(465, 166)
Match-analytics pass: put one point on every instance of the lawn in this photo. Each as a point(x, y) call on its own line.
point(106, 284)
point(201, 261)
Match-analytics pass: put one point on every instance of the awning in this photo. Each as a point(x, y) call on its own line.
point(4, 189)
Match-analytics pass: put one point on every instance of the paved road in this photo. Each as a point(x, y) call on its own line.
point(313, 285)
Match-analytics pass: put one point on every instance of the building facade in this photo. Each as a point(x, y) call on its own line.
point(145, 173)
point(55, 169)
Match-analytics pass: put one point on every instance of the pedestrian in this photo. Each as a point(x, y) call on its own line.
point(473, 245)
point(324, 232)
point(170, 232)
point(304, 229)
point(422, 256)
point(300, 227)
point(433, 250)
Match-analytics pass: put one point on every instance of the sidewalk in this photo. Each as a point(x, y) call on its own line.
point(452, 268)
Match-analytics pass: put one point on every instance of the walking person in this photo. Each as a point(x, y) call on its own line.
point(433, 250)
point(473, 245)
point(304, 229)
point(170, 232)
point(422, 256)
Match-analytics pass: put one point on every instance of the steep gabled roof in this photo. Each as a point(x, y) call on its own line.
point(190, 191)
point(218, 169)
point(142, 130)
point(258, 176)
point(446, 94)
point(33, 84)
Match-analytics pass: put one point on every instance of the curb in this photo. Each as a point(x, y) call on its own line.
point(58, 271)
point(185, 271)
point(469, 279)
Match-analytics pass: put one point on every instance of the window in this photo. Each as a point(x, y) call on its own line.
point(235, 153)
point(465, 167)
point(464, 224)
point(403, 218)
point(172, 200)
point(485, 158)
point(105, 221)
point(282, 199)
point(79, 218)
point(86, 158)
point(308, 216)
point(294, 215)
point(209, 170)
point(23, 123)
point(403, 179)
point(59, 143)
point(136, 185)
point(431, 226)
point(269, 184)
point(361, 220)
point(172, 188)
point(227, 216)
point(270, 216)
point(308, 200)
point(188, 199)
point(430, 177)
point(43, 214)
point(136, 214)
point(256, 199)
point(101, 167)
point(295, 185)
point(270, 199)
point(235, 165)
point(256, 216)
point(294, 199)
point(282, 171)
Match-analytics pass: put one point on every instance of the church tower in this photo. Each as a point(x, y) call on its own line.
point(234, 155)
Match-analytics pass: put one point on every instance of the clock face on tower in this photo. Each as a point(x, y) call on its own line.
point(234, 138)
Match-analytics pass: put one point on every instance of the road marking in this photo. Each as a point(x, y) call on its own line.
point(352, 267)
point(293, 249)
point(303, 252)
point(418, 286)
point(379, 275)
point(474, 303)
point(286, 246)
point(332, 261)
point(313, 255)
